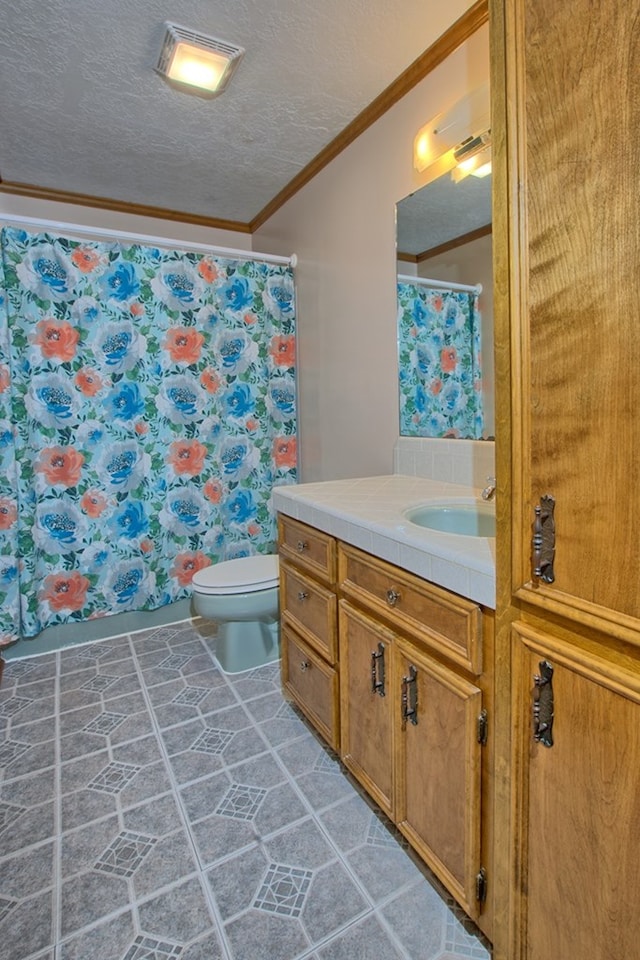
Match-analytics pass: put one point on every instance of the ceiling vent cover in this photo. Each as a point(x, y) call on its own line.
point(196, 62)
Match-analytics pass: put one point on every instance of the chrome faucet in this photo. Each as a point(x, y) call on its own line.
point(489, 491)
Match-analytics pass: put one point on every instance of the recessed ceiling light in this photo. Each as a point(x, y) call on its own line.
point(196, 63)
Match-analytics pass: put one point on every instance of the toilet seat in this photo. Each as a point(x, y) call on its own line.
point(242, 575)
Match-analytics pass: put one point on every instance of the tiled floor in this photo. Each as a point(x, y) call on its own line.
point(152, 807)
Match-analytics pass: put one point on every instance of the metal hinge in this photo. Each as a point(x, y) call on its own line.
point(483, 727)
point(481, 885)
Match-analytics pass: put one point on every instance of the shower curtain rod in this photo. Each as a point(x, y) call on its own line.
point(76, 228)
point(441, 284)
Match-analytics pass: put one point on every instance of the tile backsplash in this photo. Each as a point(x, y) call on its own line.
point(468, 462)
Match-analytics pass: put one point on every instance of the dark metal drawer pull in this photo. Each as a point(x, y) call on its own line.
point(302, 595)
point(301, 546)
point(392, 597)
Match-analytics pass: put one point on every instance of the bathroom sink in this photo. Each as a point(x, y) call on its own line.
point(463, 517)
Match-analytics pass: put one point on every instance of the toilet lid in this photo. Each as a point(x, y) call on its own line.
point(242, 575)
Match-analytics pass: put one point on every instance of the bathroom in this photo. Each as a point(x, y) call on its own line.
point(346, 215)
point(335, 321)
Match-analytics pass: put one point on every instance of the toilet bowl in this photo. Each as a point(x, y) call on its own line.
point(242, 597)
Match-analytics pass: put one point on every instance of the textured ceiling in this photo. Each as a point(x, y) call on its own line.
point(83, 111)
point(441, 211)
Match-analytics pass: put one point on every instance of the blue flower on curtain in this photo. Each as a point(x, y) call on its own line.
point(120, 283)
point(439, 362)
point(279, 295)
point(46, 272)
point(147, 408)
point(235, 294)
point(178, 286)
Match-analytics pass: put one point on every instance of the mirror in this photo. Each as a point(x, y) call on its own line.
point(445, 354)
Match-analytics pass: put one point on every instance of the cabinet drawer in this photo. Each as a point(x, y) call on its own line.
point(311, 609)
point(444, 621)
point(312, 684)
point(310, 549)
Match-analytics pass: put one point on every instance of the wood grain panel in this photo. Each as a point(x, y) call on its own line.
point(579, 808)
point(582, 156)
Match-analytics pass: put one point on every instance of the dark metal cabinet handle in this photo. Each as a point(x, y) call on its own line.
point(410, 697)
point(304, 665)
point(301, 546)
point(543, 705)
point(377, 670)
point(302, 595)
point(543, 543)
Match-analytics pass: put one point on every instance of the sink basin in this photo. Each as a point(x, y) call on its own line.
point(466, 518)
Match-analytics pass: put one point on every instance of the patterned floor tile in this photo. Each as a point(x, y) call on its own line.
point(248, 934)
point(361, 941)
point(28, 926)
point(182, 814)
point(283, 891)
point(125, 854)
point(333, 902)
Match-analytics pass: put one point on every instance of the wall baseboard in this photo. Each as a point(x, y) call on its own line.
point(72, 634)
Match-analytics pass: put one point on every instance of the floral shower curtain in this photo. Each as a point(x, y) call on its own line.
point(147, 408)
point(439, 362)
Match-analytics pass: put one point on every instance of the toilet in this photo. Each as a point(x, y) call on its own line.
point(242, 597)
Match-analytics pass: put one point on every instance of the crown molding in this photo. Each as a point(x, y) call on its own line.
point(107, 203)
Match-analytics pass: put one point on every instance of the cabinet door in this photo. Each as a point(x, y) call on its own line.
point(579, 820)
point(366, 706)
point(573, 83)
point(439, 769)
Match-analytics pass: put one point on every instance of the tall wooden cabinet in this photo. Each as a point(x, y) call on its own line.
point(566, 115)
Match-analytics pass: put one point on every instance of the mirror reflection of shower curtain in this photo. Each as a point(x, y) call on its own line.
point(147, 408)
point(439, 362)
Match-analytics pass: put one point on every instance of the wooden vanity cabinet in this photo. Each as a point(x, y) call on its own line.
point(397, 675)
point(308, 615)
point(414, 698)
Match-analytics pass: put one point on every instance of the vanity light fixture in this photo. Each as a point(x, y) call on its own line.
point(455, 135)
point(473, 156)
point(196, 63)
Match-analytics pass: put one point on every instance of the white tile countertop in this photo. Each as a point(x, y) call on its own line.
point(368, 513)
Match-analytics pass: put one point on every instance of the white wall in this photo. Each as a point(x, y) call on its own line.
point(342, 227)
